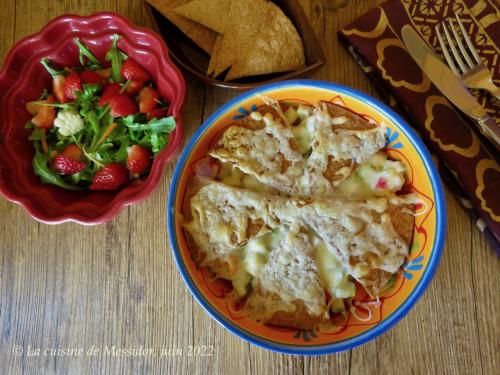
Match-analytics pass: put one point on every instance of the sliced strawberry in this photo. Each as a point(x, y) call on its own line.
point(133, 87)
point(110, 177)
point(58, 88)
point(138, 158)
point(45, 115)
point(108, 93)
point(72, 85)
point(132, 70)
point(88, 76)
point(69, 161)
point(148, 99)
point(122, 105)
point(157, 113)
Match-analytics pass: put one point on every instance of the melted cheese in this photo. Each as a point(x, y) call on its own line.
point(333, 275)
point(376, 177)
point(232, 176)
point(304, 135)
point(252, 259)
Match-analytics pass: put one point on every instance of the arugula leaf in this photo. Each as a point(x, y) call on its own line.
point(86, 175)
point(104, 157)
point(92, 63)
point(117, 58)
point(103, 111)
point(121, 154)
point(45, 94)
point(45, 62)
point(36, 135)
point(93, 120)
point(99, 126)
point(153, 135)
point(163, 125)
point(42, 169)
point(158, 142)
point(89, 92)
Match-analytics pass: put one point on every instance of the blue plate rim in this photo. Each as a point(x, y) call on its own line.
point(396, 316)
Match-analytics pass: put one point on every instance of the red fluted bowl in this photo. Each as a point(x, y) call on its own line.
point(23, 78)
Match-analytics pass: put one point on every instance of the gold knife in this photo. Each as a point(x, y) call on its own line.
point(443, 78)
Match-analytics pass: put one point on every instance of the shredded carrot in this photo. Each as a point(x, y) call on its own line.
point(45, 146)
point(108, 131)
point(104, 73)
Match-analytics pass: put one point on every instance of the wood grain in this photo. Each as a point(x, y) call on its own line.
point(70, 286)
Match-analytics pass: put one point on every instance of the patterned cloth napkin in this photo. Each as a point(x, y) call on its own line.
point(468, 164)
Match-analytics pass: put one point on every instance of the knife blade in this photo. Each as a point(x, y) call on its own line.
point(448, 83)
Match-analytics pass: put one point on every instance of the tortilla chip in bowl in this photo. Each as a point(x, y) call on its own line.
point(242, 55)
point(380, 301)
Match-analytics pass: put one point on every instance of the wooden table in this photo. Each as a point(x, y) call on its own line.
point(76, 287)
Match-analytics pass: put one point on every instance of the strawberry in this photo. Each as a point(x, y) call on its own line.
point(72, 85)
point(110, 177)
point(69, 161)
point(138, 158)
point(45, 115)
point(133, 87)
point(132, 70)
point(147, 99)
point(122, 105)
point(58, 88)
point(108, 93)
point(157, 113)
point(88, 76)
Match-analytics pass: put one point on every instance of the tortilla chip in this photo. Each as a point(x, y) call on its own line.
point(276, 48)
point(402, 220)
point(201, 35)
point(214, 55)
point(300, 318)
point(246, 18)
point(355, 121)
point(206, 12)
point(375, 282)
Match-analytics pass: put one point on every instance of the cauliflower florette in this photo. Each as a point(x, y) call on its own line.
point(68, 122)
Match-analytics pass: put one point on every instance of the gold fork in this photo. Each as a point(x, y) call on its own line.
point(473, 73)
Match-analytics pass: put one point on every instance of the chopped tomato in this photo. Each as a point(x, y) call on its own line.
point(148, 99)
point(46, 115)
point(133, 87)
point(205, 167)
point(58, 88)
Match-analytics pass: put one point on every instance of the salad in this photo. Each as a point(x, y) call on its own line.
point(101, 124)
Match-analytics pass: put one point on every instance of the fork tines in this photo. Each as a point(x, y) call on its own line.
point(453, 39)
